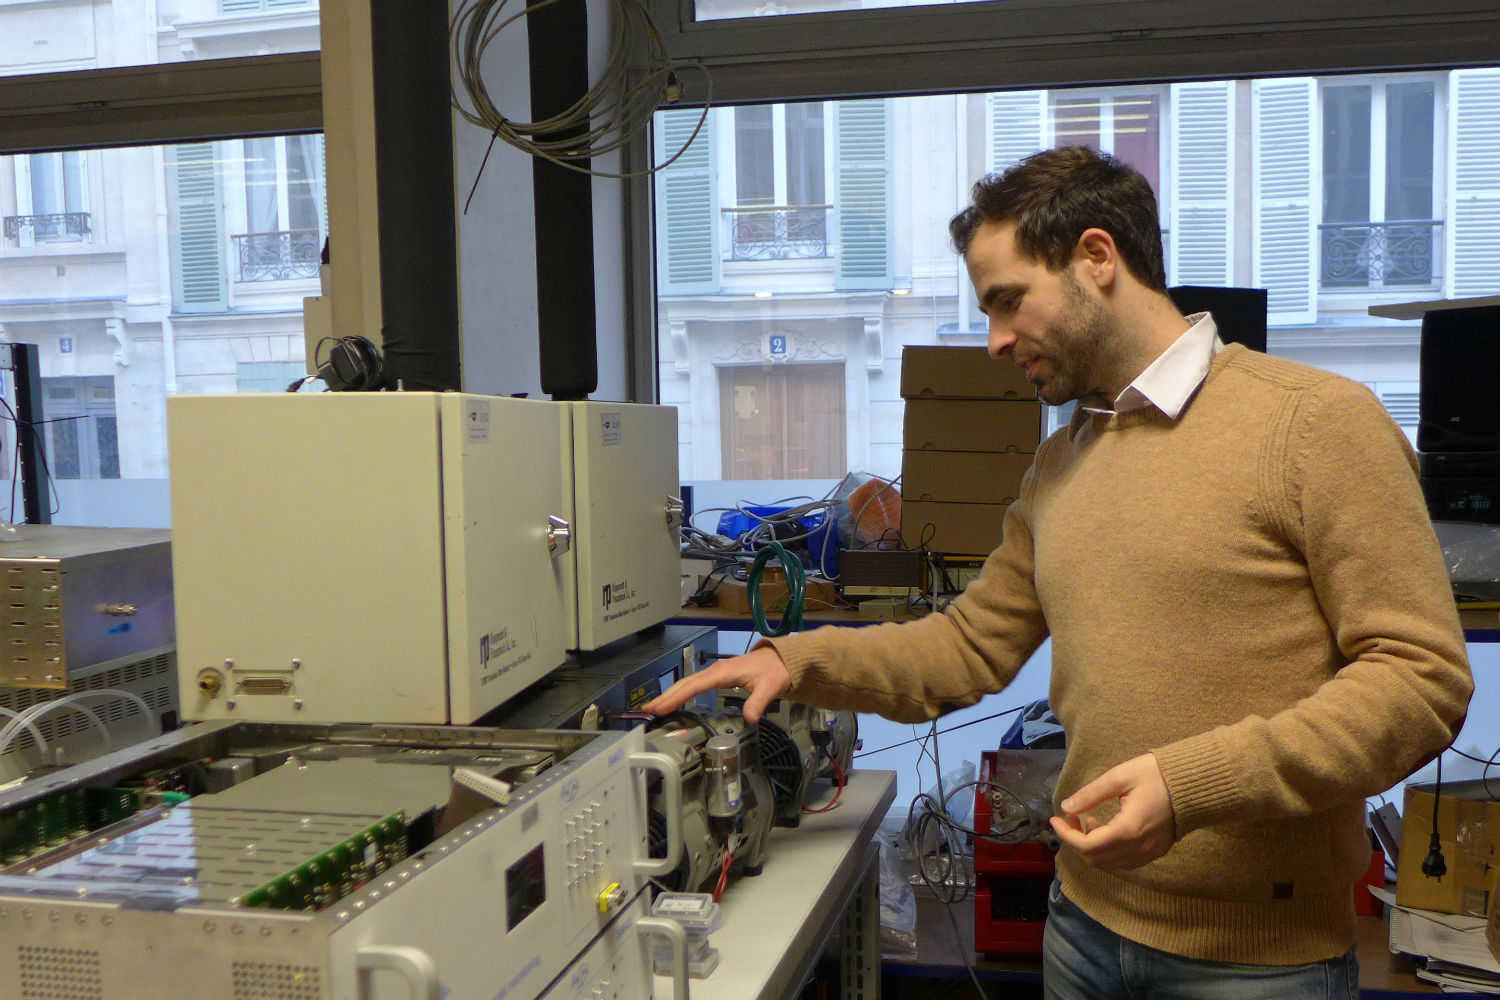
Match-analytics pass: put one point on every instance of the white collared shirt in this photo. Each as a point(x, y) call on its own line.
point(1169, 381)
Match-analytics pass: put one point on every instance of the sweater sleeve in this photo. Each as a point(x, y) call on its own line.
point(915, 671)
point(1341, 483)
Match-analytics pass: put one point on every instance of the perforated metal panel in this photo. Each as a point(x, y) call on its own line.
point(59, 973)
point(153, 678)
point(275, 981)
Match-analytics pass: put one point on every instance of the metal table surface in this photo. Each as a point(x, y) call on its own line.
point(817, 875)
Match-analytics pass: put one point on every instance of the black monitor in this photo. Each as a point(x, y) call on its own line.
point(1239, 313)
point(1460, 372)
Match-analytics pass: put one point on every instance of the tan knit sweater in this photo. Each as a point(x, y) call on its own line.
point(1253, 593)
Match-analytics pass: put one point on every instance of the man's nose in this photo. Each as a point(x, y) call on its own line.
point(1001, 340)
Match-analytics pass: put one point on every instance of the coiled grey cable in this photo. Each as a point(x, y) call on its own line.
point(612, 112)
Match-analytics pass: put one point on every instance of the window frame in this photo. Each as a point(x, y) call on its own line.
point(1378, 87)
point(1379, 173)
point(989, 45)
point(729, 142)
point(161, 103)
point(1027, 44)
point(25, 173)
point(1049, 43)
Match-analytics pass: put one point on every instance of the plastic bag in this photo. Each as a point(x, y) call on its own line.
point(869, 512)
point(898, 903)
point(935, 860)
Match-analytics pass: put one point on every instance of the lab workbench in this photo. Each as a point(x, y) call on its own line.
point(818, 877)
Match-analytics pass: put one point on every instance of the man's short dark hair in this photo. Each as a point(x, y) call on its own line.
point(1054, 195)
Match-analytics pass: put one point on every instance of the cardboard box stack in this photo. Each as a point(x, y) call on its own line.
point(972, 427)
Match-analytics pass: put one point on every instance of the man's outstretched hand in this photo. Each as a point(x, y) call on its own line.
point(759, 672)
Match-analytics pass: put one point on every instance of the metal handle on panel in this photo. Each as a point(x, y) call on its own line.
point(671, 786)
point(677, 938)
point(412, 964)
point(675, 510)
point(559, 535)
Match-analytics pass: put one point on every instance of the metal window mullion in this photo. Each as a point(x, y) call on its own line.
point(1378, 162)
point(162, 102)
point(283, 197)
point(778, 154)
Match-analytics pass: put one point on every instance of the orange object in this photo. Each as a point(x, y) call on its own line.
point(876, 508)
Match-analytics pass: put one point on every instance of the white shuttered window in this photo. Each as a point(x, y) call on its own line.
point(686, 205)
point(1286, 180)
point(1473, 265)
point(1199, 247)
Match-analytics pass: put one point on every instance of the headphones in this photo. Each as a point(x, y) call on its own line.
point(353, 364)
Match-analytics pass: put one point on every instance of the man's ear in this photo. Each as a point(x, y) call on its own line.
point(1095, 257)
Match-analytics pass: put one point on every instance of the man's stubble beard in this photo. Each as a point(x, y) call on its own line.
point(1081, 337)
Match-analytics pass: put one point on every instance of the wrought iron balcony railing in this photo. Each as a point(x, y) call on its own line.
point(1378, 254)
point(776, 232)
point(278, 256)
point(56, 227)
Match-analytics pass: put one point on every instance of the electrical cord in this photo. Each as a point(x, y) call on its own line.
point(617, 108)
point(1433, 865)
point(838, 788)
point(723, 882)
point(791, 619)
point(944, 732)
point(955, 880)
point(1491, 761)
point(964, 948)
point(41, 451)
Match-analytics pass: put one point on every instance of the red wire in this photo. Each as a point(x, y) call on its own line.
point(723, 875)
point(838, 789)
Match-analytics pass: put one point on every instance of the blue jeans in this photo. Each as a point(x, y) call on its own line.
point(1084, 960)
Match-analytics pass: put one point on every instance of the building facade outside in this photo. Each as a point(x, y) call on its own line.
point(802, 246)
point(144, 272)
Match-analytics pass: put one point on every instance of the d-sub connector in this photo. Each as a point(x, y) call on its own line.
point(264, 685)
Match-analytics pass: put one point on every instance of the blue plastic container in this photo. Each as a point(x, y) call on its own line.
point(822, 538)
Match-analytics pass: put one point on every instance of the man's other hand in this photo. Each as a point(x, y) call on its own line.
point(760, 672)
point(1140, 832)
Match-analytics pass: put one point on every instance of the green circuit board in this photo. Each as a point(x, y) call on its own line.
point(331, 874)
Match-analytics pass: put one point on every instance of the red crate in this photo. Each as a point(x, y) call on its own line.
point(1010, 914)
point(1026, 857)
point(1011, 883)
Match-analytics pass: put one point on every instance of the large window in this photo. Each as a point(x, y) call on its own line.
point(1252, 177)
point(164, 298)
point(146, 249)
point(52, 200)
point(1380, 225)
point(779, 209)
point(72, 35)
point(285, 220)
point(1332, 194)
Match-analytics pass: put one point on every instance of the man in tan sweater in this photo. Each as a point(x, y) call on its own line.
point(1252, 627)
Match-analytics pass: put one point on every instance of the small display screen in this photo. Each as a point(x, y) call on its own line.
point(525, 887)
